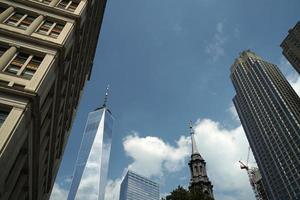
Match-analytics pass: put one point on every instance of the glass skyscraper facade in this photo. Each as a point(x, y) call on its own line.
point(136, 187)
point(91, 167)
point(269, 110)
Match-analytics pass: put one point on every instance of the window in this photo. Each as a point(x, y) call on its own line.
point(50, 28)
point(2, 50)
point(45, 1)
point(15, 66)
point(3, 116)
point(25, 23)
point(63, 4)
point(19, 20)
point(31, 67)
point(2, 9)
point(56, 30)
point(67, 5)
point(72, 7)
point(23, 65)
point(14, 19)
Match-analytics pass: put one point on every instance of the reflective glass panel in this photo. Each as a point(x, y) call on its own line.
point(93, 158)
point(136, 187)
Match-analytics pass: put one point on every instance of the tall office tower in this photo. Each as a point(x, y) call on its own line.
point(89, 179)
point(269, 110)
point(199, 179)
point(46, 55)
point(136, 187)
point(291, 47)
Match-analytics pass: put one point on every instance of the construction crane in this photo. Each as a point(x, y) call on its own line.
point(254, 178)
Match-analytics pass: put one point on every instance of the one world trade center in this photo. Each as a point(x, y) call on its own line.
point(90, 174)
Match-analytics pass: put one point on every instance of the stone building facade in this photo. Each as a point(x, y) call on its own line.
point(291, 47)
point(46, 56)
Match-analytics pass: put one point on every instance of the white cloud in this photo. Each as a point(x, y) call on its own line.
point(177, 27)
point(220, 27)
point(295, 84)
point(233, 112)
point(58, 193)
point(216, 48)
point(237, 32)
point(222, 149)
point(291, 74)
point(285, 66)
point(152, 156)
point(163, 195)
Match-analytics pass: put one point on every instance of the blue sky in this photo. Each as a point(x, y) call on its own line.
point(167, 62)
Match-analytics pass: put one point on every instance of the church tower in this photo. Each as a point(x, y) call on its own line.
point(199, 179)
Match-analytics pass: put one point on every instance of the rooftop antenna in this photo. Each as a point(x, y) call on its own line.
point(191, 127)
point(106, 96)
point(194, 145)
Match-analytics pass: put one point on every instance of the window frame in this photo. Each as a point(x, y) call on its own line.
point(54, 23)
point(4, 9)
point(22, 69)
point(67, 5)
point(5, 47)
point(5, 108)
point(45, 2)
point(17, 24)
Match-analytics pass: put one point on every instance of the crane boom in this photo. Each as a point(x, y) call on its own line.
point(251, 173)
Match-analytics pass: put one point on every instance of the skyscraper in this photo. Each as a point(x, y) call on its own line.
point(90, 174)
point(137, 187)
point(47, 49)
point(199, 179)
point(269, 110)
point(291, 47)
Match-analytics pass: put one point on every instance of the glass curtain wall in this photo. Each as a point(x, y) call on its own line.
point(91, 167)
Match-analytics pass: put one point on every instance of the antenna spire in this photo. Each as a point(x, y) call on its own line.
point(194, 145)
point(191, 127)
point(106, 96)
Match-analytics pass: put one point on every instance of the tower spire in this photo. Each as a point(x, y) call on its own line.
point(199, 180)
point(106, 96)
point(194, 145)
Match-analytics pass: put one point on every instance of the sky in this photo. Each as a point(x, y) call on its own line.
point(168, 62)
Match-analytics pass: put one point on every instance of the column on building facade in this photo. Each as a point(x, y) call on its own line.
point(6, 13)
point(33, 26)
point(7, 56)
